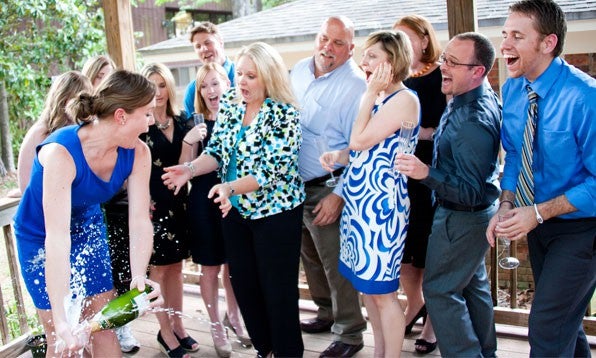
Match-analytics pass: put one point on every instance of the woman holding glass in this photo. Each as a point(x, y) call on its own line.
point(255, 147)
point(207, 244)
point(374, 220)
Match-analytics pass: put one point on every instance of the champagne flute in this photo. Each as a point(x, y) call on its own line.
point(507, 262)
point(405, 144)
point(323, 146)
point(198, 118)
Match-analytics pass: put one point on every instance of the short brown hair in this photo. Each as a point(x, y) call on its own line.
point(398, 48)
point(548, 18)
point(205, 27)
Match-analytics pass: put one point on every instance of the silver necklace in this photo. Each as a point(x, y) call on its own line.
point(163, 126)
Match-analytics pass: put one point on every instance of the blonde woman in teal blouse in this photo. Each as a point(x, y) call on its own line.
point(255, 147)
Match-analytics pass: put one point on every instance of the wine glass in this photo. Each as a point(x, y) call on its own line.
point(323, 146)
point(507, 262)
point(198, 118)
point(405, 144)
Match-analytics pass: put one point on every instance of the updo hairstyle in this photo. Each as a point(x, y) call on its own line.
point(121, 89)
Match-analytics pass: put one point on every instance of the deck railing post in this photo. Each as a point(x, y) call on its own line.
point(12, 346)
point(14, 273)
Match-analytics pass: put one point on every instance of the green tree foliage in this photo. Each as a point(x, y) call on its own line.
point(40, 39)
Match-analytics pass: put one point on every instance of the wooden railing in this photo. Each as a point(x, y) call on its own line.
point(12, 347)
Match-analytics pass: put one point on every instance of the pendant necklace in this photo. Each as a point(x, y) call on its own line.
point(163, 126)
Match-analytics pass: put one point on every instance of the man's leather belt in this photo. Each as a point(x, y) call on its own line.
point(458, 207)
point(323, 179)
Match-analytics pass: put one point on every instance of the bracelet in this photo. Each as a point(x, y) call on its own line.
point(190, 167)
point(506, 201)
point(538, 216)
point(185, 141)
point(232, 191)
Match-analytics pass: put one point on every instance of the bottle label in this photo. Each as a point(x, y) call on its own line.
point(142, 303)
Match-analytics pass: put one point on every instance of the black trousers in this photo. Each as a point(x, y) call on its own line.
point(263, 257)
point(563, 258)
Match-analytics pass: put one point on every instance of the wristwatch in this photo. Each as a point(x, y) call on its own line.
point(232, 191)
point(538, 216)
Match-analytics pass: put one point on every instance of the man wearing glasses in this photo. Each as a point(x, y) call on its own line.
point(463, 177)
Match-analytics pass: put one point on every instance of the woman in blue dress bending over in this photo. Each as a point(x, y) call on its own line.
point(374, 220)
point(59, 225)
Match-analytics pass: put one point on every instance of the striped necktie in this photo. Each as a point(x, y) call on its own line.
point(524, 195)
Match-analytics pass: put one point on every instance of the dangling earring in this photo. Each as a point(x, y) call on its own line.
point(423, 51)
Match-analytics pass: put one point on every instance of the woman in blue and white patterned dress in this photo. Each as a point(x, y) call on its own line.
point(374, 220)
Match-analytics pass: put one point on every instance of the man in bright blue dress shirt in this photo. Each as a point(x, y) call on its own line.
point(328, 86)
point(209, 46)
point(560, 222)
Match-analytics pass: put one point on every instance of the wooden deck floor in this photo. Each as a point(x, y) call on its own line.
point(511, 340)
point(145, 330)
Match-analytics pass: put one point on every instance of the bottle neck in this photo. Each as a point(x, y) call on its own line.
point(95, 326)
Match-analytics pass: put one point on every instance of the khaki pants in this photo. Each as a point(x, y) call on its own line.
point(335, 296)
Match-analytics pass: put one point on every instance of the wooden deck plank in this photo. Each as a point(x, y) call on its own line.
point(511, 340)
point(145, 329)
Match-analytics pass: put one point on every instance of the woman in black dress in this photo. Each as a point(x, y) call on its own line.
point(170, 243)
point(426, 81)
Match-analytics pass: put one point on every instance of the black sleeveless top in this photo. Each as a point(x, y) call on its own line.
point(432, 105)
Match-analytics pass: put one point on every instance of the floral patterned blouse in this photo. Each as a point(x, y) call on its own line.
point(268, 150)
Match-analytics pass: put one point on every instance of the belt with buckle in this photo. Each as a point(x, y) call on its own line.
point(458, 207)
point(320, 180)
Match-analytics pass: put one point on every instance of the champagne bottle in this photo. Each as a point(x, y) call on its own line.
point(121, 310)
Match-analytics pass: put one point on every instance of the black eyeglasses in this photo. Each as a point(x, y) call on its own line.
point(451, 63)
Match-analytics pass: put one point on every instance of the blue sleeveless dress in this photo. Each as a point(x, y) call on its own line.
point(89, 256)
point(374, 220)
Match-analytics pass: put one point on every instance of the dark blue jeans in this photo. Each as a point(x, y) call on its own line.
point(263, 257)
point(563, 258)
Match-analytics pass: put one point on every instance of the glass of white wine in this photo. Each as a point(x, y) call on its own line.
point(198, 118)
point(405, 144)
point(507, 261)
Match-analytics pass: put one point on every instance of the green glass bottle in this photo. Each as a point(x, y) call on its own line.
point(121, 310)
